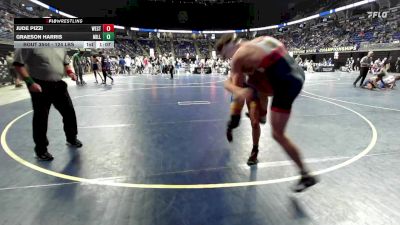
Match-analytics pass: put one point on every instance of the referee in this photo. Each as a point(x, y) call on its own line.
point(364, 68)
point(42, 71)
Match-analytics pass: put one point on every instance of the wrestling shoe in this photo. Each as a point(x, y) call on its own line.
point(253, 158)
point(305, 182)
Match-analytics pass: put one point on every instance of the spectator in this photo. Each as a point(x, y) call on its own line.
point(128, 64)
point(121, 65)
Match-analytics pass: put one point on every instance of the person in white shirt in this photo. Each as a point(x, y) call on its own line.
point(164, 61)
point(128, 63)
point(377, 66)
point(138, 64)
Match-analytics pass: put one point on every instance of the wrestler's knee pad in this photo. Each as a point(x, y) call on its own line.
point(234, 122)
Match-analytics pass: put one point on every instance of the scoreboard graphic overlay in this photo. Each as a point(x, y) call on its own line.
point(63, 33)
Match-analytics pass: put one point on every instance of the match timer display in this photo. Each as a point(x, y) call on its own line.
point(63, 33)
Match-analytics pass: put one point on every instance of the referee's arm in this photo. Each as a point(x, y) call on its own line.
point(68, 69)
point(21, 55)
point(70, 72)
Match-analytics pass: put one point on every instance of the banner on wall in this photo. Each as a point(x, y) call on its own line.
point(373, 46)
point(326, 50)
point(339, 49)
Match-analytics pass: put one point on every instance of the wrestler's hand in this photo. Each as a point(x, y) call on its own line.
point(35, 88)
point(72, 76)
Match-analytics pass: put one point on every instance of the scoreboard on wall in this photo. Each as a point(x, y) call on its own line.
point(63, 33)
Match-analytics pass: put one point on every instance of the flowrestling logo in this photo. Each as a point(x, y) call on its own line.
point(378, 14)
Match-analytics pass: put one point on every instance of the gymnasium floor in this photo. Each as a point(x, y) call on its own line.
point(155, 152)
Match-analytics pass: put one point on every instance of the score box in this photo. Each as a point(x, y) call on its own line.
point(108, 27)
point(108, 36)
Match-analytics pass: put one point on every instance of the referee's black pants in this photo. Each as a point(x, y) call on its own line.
point(56, 93)
point(363, 74)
